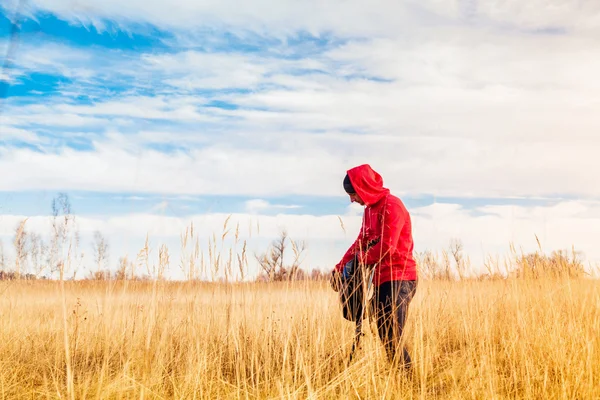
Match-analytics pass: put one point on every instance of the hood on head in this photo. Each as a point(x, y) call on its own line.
point(367, 183)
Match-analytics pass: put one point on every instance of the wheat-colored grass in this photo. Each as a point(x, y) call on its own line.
point(481, 340)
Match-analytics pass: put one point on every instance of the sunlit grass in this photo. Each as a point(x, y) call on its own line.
point(469, 339)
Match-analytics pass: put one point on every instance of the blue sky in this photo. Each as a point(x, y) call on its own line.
point(480, 115)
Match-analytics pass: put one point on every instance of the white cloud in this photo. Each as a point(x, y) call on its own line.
point(312, 165)
point(257, 205)
point(471, 109)
point(583, 16)
point(39, 115)
point(8, 76)
point(474, 59)
point(158, 107)
point(195, 70)
point(53, 58)
point(280, 18)
point(341, 17)
point(160, 207)
point(56, 58)
point(10, 133)
point(130, 198)
point(354, 210)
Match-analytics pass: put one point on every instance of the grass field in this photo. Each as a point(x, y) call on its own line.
point(482, 340)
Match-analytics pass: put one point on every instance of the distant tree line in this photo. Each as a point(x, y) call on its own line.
point(452, 264)
point(61, 257)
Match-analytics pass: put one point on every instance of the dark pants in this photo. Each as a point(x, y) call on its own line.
point(391, 308)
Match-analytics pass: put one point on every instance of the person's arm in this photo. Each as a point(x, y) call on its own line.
point(349, 255)
point(393, 221)
point(336, 273)
point(352, 250)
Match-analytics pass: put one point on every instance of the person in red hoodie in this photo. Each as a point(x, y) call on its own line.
point(384, 243)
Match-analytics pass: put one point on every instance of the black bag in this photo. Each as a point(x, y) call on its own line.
point(352, 294)
point(352, 291)
point(352, 288)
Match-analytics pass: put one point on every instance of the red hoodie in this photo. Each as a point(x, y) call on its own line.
point(385, 218)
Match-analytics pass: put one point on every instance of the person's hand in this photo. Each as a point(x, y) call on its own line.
point(335, 280)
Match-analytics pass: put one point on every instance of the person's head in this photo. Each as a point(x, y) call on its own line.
point(354, 197)
point(364, 185)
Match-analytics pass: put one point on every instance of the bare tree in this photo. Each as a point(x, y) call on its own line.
point(447, 266)
point(317, 275)
point(279, 247)
point(429, 265)
point(298, 248)
point(124, 263)
point(272, 261)
point(20, 243)
point(2, 257)
point(37, 250)
point(100, 275)
point(100, 249)
point(76, 255)
point(62, 220)
point(456, 248)
point(268, 262)
point(559, 264)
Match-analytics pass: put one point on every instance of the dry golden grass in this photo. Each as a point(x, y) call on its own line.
point(482, 340)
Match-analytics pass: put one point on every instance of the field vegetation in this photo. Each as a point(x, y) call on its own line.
point(528, 327)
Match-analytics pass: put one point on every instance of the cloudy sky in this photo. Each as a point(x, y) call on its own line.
point(482, 116)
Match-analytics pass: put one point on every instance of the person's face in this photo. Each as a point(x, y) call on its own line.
point(355, 198)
